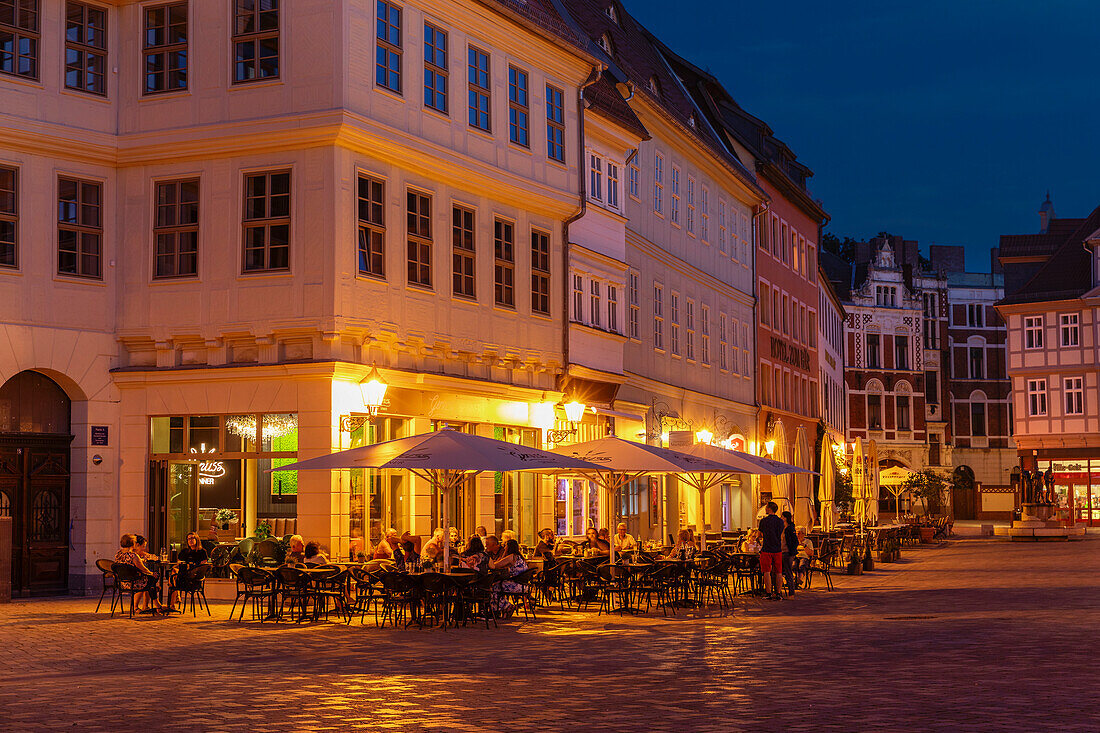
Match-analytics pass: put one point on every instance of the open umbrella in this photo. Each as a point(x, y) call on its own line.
point(445, 458)
point(803, 485)
point(738, 463)
point(826, 487)
point(622, 461)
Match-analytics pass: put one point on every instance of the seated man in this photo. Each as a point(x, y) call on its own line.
point(493, 548)
point(623, 541)
point(433, 548)
point(386, 545)
point(313, 554)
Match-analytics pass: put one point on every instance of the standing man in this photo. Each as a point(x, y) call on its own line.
point(771, 553)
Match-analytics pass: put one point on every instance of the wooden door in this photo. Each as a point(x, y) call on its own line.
point(964, 501)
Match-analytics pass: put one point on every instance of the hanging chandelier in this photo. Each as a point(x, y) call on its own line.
point(275, 425)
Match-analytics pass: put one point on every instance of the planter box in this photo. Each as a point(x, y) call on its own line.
point(927, 534)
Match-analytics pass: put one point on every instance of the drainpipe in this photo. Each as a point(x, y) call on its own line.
point(597, 71)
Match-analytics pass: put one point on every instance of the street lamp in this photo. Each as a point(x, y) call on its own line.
point(373, 388)
point(574, 413)
point(704, 436)
point(769, 446)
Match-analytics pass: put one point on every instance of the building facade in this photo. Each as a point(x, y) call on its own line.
point(1050, 309)
point(832, 395)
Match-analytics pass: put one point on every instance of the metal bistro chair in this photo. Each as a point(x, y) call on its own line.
point(524, 596)
point(822, 565)
point(256, 585)
point(110, 581)
point(266, 554)
point(293, 588)
point(126, 577)
point(196, 579)
point(400, 599)
point(330, 583)
point(368, 593)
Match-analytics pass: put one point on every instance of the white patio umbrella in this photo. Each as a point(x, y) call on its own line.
point(781, 452)
point(446, 459)
point(872, 484)
point(740, 463)
point(859, 491)
point(826, 487)
point(803, 485)
point(622, 461)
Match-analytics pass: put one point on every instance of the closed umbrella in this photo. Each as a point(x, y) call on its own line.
point(803, 485)
point(621, 461)
point(445, 459)
point(782, 452)
point(826, 487)
point(872, 484)
point(859, 511)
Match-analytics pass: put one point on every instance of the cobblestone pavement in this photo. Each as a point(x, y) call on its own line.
point(972, 635)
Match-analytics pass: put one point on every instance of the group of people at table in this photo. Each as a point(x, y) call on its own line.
point(133, 550)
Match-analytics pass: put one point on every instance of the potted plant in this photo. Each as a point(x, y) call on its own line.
point(225, 517)
point(263, 530)
point(929, 486)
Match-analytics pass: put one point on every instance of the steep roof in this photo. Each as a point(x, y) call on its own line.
point(1067, 273)
point(839, 272)
point(606, 100)
point(1039, 245)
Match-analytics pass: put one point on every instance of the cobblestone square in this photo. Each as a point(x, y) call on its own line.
point(971, 635)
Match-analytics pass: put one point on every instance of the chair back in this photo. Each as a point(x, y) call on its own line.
point(291, 577)
point(125, 573)
point(245, 547)
point(104, 565)
point(267, 553)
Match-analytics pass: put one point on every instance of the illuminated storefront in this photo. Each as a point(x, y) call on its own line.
point(1076, 489)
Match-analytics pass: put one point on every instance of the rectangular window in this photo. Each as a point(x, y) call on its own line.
point(723, 348)
point(418, 208)
point(1037, 397)
point(633, 176)
point(85, 47)
point(19, 38)
point(691, 205)
point(975, 316)
point(462, 253)
point(519, 113)
point(255, 40)
point(165, 48)
point(901, 352)
point(578, 299)
point(613, 308)
point(1069, 329)
point(504, 263)
point(931, 389)
point(79, 228)
point(765, 299)
point(634, 302)
point(1033, 332)
point(735, 347)
point(674, 332)
point(873, 360)
point(977, 362)
point(722, 226)
point(674, 209)
point(555, 124)
point(612, 185)
point(1075, 395)
point(176, 228)
point(594, 308)
point(977, 419)
point(387, 50)
point(595, 177)
point(745, 359)
point(372, 227)
point(874, 411)
point(704, 339)
point(658, 318)
point(478, 88)
point(267, 221)
point(658, 183)
point(540, 272)
point(689, 324)
point(435, 69)
point(9, 216)
point(704, 214)
point(903, 412)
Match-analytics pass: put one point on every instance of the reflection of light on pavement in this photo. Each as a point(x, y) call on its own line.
point(590, 632)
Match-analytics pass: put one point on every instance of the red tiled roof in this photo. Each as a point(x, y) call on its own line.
point(1068, 271)
point(605, 99)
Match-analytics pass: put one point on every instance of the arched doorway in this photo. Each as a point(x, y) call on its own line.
point(34, 481)
point(964, 498)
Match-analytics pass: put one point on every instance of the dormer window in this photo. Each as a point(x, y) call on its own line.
point(611, 13)
point(605, 44)
point(654, 87)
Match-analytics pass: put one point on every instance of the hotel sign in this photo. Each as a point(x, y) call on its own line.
point(790, 354)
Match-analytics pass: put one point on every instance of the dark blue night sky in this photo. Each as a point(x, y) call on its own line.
point(945, 122)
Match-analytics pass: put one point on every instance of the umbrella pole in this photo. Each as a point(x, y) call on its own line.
point(446, 528)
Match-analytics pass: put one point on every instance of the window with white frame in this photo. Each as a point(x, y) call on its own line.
point(1036, 397)
point(704, 214)
point(1074, 388)
point(658, 183)
point(578, 299)
point(634, 303)
point(744, 240)
point(689, 324)
point(633, 178)
point(704, 335)
point(745, 359)
point(612, 185)
point(1033, 332)
point(691, 205)
point(674, 329)
point(735, 346)
point(613, 308)
point(594, 309)
point(722, 227)
point(595, 177)
point(723, 344)
point(674, 209)
point(765, 307)
point(1069, 329)
point(658, 317)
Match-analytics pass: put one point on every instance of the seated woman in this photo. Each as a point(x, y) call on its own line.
point(386, 546)
point(474, 556)
point(510, 564)
point(313, 554)
point(190, 557)
point(145, 587)
point(684, 549)
point(296, 553)
point(456, 540)
point(753, 542)
point(592, 544)
point(805, 556)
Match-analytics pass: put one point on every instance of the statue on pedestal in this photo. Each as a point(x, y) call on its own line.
point(1048, 481)
point(1026, 496)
